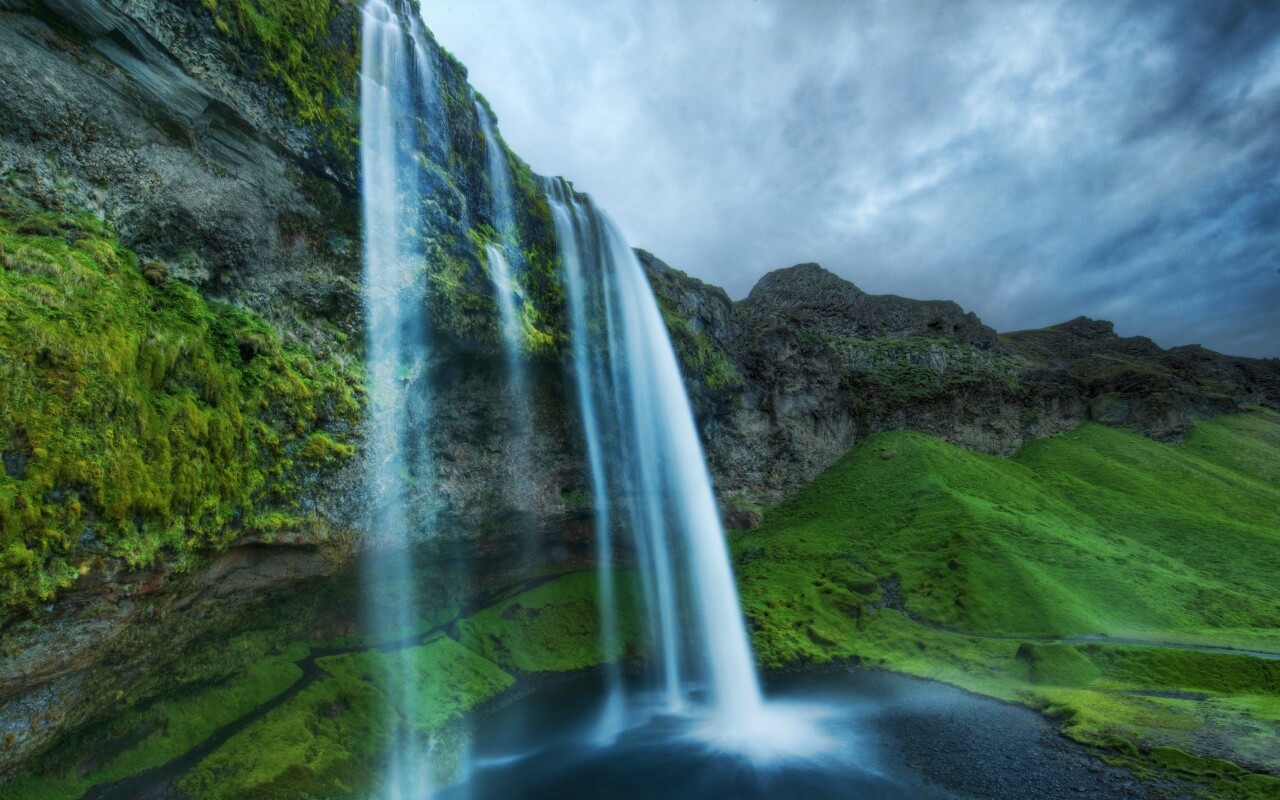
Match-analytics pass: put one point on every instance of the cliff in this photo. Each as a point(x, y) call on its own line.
point(787, 380)
point(181, 344)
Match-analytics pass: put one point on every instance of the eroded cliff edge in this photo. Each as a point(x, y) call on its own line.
point(788, 379)
point(202, 156)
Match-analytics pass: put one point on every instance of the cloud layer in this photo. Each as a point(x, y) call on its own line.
point(1032, 160)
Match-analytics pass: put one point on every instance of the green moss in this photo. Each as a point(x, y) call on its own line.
point(701, 357)
point(447, 678)
point(167, 729)
point(320, 450)
point(553, 628)
point(316, 744)
point(311, 49)
point(328, 739)
point(544, 311)
point(537, 272)
point(137, 419)
point(1056, 664)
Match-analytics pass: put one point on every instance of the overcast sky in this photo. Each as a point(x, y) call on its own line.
point(1033, 161)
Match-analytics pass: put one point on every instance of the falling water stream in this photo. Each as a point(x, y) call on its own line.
point(501, 256)
point(398, 91)
point(650, 478)
point(502, 216)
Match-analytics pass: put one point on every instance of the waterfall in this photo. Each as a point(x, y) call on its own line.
point(500, 256)
point(649, 476)
point(502, 217)
point(399, 99)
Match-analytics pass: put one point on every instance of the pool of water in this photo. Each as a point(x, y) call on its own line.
point(858, 734)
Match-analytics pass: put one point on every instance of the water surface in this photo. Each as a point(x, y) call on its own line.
point(882, 737)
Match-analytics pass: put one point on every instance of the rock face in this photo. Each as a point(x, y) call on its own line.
point(1134, 383)
point(818, 363)
point(170, 120)
point(137, 112)
point(809, 297)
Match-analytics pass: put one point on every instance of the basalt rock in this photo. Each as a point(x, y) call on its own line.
point(1134, 383)
point(810, 298)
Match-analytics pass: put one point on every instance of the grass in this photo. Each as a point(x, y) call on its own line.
point(331, 737)
point(328, 739)
point(553, 628)
point(1097, 531)
point(917, 556)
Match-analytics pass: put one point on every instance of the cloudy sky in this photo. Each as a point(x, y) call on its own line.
point(1033, 161)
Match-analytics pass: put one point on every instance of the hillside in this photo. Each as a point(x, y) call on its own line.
point(1067, 582)
point(1098, 575)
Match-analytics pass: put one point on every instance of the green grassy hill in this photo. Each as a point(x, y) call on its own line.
point(1098, 531)
point(921, 557)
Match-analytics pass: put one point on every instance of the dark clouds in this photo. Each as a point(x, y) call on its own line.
point(1033, 160)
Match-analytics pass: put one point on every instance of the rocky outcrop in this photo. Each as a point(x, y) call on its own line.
point(819, 364)
point(125, 635)
point(810, 298)
point(139, 113)
point(1134, 383)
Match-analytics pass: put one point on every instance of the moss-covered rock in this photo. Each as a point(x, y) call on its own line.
point(139, 420)
point(311, 49)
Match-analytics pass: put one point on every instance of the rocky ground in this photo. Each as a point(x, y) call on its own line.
point(808, 364)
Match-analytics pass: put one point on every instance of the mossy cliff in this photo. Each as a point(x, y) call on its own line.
point(139, 419)
point(183, 328)
point(144, 430)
